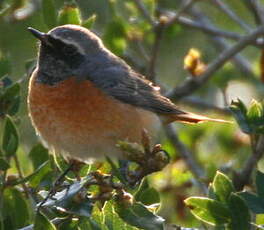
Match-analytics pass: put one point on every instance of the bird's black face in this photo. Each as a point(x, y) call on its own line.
point(58, 59)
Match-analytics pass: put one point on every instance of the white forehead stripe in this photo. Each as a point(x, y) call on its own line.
point(68, 40)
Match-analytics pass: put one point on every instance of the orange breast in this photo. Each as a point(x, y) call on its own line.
point(79, 119)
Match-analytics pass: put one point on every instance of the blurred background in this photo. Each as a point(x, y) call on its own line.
point(128, 33)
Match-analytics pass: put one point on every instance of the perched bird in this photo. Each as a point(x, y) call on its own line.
point(83, 99)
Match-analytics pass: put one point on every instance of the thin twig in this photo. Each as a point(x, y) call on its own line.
point(154, 52)
point(158, 30)
point(21, 177)
point(57, 182)
point(201, 104)
point(231, 14)
point(204, 28)
point(256, 9)
point(239, 61)
point(191, 84)
point(187, 155)
point(55, 221)
point(244, 175)
point(184, 7)
point(139, 4)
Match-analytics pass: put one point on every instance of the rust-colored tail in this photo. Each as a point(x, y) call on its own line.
point(190, 118)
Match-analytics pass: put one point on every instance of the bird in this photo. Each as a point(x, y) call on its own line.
point(83, 99)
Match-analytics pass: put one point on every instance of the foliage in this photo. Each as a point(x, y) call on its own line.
point(222, 162)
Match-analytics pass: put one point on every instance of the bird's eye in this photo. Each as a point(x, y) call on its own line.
point(69, 50)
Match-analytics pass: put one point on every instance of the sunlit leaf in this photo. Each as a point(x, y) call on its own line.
point(139, 216)
point(255, 110)
point(210, 211)
point(89, 22)
point(222, 186)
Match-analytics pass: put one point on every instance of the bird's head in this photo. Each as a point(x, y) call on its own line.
point(64, 49)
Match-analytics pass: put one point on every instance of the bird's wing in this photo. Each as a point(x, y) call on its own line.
point(129, 87)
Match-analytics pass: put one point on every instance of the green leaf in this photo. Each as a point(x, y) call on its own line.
point(255, 111)
point(89, 22)
point(115, 170)
point(97, 221)
point(72, 224)
point(222, 186)
point(210, 211)
point(255, 117)
point(38, 155)
point(41, 222)
point(37, 176)
point(70, 14)
point(15, 207)
point(11, 92)
point(49, 13)
point(10, 99)
point(239, 111)
point(4, 165)
point(148, 196)
point(10, 138)
point(139, 216)
point(240, 217)
point(88, 224)
point(211, 194)
point(112, 220)
point(254, 202)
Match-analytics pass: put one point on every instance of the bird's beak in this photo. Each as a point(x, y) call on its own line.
point(43, 37)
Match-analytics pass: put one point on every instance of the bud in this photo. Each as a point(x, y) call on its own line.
point(193, 64)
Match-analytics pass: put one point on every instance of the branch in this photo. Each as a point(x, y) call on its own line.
point(192, 84)
point(144, 12)
point(222, 6)
point(244, 175)
point(187, 155)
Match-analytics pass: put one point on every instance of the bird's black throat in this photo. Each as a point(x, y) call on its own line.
point(57, 62)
